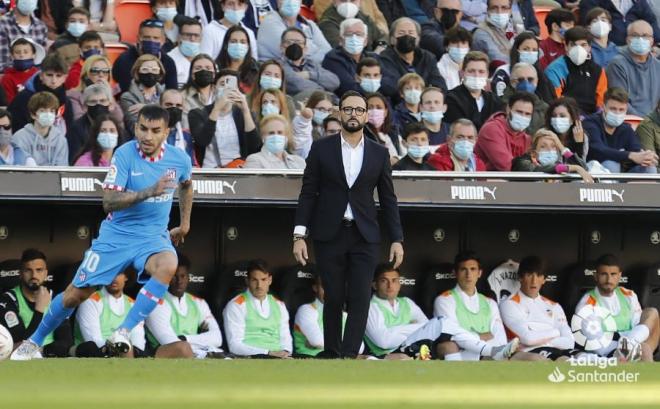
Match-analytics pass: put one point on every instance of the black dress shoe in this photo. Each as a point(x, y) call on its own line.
point(327, 354)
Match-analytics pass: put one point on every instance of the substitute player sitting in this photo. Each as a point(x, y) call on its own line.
point(138, 192)
point(637, 329)
point(539, 322)
point(183, 319)
point(473, 311)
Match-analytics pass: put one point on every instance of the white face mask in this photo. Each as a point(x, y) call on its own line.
point(347, 9)
point(475, 83)
point(600, 28)
point(578, 55)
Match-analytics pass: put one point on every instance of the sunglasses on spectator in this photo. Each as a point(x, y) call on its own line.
point(99, 71)
point(6, 127)
point(152, 23)
point(528, 79)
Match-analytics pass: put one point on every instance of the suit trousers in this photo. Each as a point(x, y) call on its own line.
point(346, 265)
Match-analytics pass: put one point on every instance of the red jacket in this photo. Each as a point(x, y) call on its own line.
point(13, 81)
point(498, 144)
point(73, 79)
point(441, 160)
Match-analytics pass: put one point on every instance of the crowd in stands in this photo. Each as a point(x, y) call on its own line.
point(466, 323)
point(451, 85)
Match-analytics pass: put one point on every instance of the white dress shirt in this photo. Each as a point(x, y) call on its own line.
point(538, 322)
point(182, 66)
point(352, 158)
point(226, 137)
point(160, 326)
point(392, 337)
point(234, 317)
point(88, 318)
point(213, 34)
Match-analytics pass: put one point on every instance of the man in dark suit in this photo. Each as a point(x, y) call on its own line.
point(336, 205)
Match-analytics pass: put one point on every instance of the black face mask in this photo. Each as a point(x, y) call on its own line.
point(175, 116)
point(448, 18)
point(294, 52)
point(203, 78)
point(405, 44)
point(148, 79)
point(96, 110)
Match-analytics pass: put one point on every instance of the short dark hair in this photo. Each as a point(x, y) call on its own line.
point(457, 35)
point(53, 62)
point(521, 96)
point(153, 112)
point(608, 260)
point(23, 41)
point(367, 62)
point(531, 264)
point(32, 254)
point(225, 72)
point(576, 34)
point(187, 21)
point(473, 56)
point(617, 94)
point(258, 265)
point(567, 102)
point(559, 16)
point(295, 30)
point(4, 113)
point(413, 128)
point(78, 10)
point(514, 54)
point(465, 256)
point(384, 268)
point(184, 261)
point(329, 119)
point(595, 12)
point(352, 93)
point(89, 36)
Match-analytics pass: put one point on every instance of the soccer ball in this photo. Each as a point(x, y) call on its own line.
point(6, 343)
point(593, 327)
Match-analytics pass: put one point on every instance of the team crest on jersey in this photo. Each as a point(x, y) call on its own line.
point(82, 276)
point(11, 319)
point(171, 173)
point(112, 174)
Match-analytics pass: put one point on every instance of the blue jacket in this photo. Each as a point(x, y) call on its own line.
point(603, 146)
point(603, 56)
point(639, 11)
point(190, 149)
point(20, 157)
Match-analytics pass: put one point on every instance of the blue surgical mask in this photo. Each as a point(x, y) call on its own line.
point(150, 47)
point(547, 158)
point(525, 86)
point(107, 140)
point(614, 120)
point(640, 45)
point(27, 7)
point(268, 82)
point(275, 144)
point(76, 29)
point(370, 84)
point(237, 51)
point(499, 20)
point(418, 151)
point(560, 124)
point(234, 16)
point(433, 117)
point(269, 109)
point(562, 32)
point(46, 119)
point(457, 54)
point(188, 48)
point(290, 8)
point(319, 116)
point(412, 96)
point(354, 44)
point(463, 149)
point(166, 13)
point(519, 122)
point(529, 57)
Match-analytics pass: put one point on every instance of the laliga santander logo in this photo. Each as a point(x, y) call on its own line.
point(556, 376)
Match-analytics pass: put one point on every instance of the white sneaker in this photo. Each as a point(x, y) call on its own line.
point(119, 342)
point(628, 350)
point(27, 351)
point(504, 352)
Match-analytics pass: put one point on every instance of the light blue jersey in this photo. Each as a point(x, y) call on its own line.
point(130, 236)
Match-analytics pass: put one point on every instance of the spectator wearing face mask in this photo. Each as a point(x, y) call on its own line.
point(95, 70)
point(381, 128)
point(410, 88)
point(613, 142)
point(524, 78)
point(603, 50)
point(166, 12)
point(200, 90)
point(563, 118)
point(623, 13)
point(447, 15)
point(10, 29)
point(190, 36)
point(271, 75)
point(432, 111)
point(577, 76)
point(11, 154)
point(236, 55)
point(416, 139)
point(493, 36)
point(66, 44)
point(26, 56)
point(458, 153)
point(457, 42)
point(549, 155)
point(145, 88)
point(302, 74)
point(332, 17)
point(558, 22)
point(213, 35)
point(172, 101)
point(503, 136)
point(90, 44)
point(277, 143)
point(104, 137)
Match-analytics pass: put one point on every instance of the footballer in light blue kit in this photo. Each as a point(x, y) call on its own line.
point(138, 192)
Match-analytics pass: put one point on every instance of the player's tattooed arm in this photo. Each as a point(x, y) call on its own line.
point(185, 204)
point(114, 200)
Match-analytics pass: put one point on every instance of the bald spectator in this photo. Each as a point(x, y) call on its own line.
point(636, 70)
point(503, 136)
point(447, 14)
point(525, 78)
point(343, 9)
point(405, 56)
point(623, 12)
point(20, 22)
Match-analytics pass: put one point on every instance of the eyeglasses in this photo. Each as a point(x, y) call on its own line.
point(150, 23)
point(444, 10)
point(350, 110)
point(97, 71)
point(288, 42)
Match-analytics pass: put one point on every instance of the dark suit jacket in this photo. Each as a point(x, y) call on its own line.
point(325, 192)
